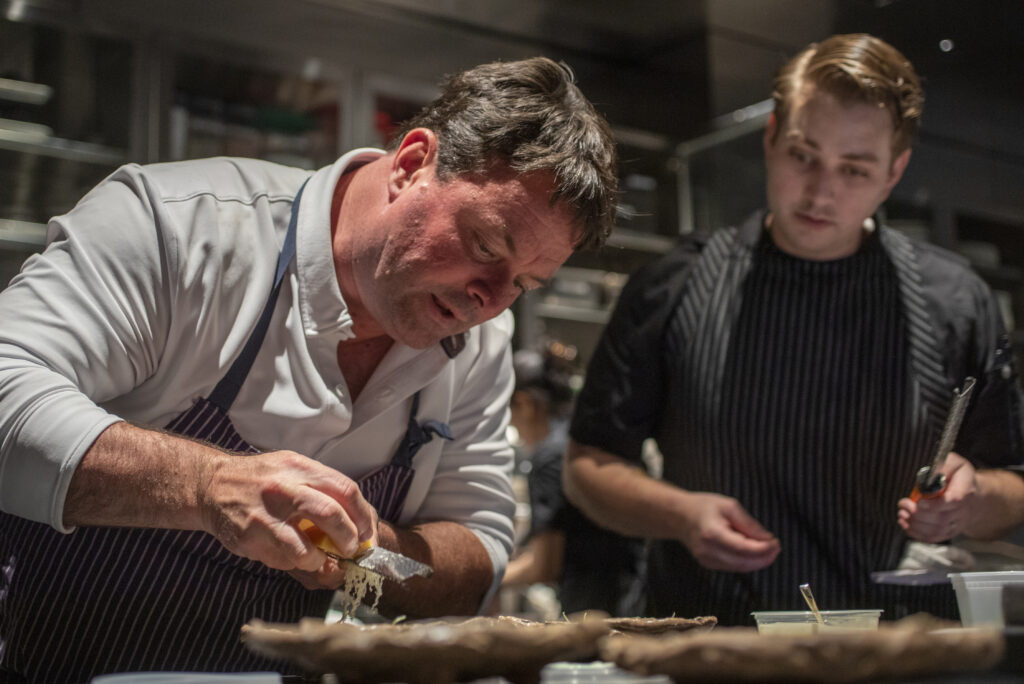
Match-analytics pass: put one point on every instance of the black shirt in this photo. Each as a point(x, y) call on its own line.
point(809, 391)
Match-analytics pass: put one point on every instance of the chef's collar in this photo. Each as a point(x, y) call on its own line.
point(323, 309)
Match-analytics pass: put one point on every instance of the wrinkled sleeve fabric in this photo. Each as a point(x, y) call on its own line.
point(968, 318)
point(83, 322)
point(623, 395)
point(472, 485)
point(993, 434)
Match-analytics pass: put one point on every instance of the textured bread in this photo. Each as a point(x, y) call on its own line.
point(743, 655)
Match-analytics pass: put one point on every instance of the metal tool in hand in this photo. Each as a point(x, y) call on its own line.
point(930, 482)
point(393, 566)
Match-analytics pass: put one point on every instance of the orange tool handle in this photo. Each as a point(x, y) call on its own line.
point(324, 543)
point(916, 495)
point(934, 492)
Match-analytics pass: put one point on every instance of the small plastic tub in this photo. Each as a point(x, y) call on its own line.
point(979, 595)
point(597, 672)
point(797, 622)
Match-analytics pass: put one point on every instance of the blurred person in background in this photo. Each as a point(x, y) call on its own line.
point(593, 568)
point(796, 372)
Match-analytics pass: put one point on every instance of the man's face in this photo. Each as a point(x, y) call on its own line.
point(829, 166)
point(446, 256)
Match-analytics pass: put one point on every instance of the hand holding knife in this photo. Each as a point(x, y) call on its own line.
point(930, 482)
point(393, 566)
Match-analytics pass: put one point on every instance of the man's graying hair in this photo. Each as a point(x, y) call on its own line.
point(530, 116)
point(857, 67)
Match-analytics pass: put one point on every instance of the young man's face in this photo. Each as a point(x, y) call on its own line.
point(456, 253)
point(829, 166)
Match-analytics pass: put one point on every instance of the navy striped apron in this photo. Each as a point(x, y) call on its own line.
point(104, 600)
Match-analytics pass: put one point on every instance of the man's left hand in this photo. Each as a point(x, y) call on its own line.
point(947, 515)
point(330, 576)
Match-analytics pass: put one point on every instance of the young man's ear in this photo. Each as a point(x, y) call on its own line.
point(899, 165)
point(770, 131)
point(416, 154)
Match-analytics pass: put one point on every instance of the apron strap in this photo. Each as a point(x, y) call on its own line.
point(223, 395)
point(416, 435)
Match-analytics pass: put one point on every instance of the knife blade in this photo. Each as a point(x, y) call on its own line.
point(388, 564)
point(930, 481)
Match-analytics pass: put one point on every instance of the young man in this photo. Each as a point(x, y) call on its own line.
point(796, 373)
point(143, 401)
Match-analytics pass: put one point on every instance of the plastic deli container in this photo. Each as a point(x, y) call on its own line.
point(796, 622)
point(979, 595)
point(595, 673)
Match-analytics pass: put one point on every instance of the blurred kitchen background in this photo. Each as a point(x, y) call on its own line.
point(86, 85)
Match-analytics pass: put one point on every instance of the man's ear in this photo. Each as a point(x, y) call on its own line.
point(416, 154)
point(770, 130)
point(899, 165)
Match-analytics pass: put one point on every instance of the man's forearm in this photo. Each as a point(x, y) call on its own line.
point(134, 477)
point(620, 496)
point(252, 503)
point(716, 529)
point(462, 571)
point(998, 505)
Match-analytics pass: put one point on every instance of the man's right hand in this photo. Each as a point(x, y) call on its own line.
point(253, 504)
point(618, 495)
point(722, 535)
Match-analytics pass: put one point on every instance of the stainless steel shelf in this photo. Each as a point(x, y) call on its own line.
point(22, 234)
point(23, 91)
point(590, 275)
point(641, 242)
point(572, 313)
point(32, 142)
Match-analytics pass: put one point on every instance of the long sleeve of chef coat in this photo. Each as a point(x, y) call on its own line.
point(134, 308)
point(81, 323)
point(472, 483)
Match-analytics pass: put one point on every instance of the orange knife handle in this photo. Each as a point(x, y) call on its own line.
point(323, 542)
point(922, 491)
point(916, 495)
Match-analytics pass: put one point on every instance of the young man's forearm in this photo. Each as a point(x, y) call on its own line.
point(998, 506)
point(620, 496)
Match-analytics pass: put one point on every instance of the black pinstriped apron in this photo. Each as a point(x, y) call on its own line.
point(105, 600)
point(705, 327)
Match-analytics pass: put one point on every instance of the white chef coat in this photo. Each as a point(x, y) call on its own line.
point(147, 292)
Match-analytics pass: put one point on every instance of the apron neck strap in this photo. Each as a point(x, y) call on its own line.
point(223, 395)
